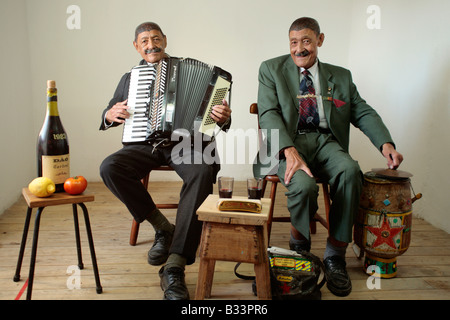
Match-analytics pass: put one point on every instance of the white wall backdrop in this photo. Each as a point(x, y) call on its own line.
point(398, 52)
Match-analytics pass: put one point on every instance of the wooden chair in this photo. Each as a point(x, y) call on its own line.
point(273, 191)
point(135, 226)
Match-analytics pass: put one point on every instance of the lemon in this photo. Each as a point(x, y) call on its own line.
point(42, 187)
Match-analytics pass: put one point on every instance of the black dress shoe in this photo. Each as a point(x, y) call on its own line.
point(299, 247)
point(338, 281)
point(173, 284)
point(159, 252)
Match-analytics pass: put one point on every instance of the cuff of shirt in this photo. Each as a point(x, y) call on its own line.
point(105, 122)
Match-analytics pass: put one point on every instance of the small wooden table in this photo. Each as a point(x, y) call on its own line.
point(54, 200)
point(232, 236)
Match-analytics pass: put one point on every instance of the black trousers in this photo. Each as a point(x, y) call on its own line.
point(122, 173)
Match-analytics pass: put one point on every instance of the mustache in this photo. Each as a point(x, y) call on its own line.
point(304, 53)
point(154, 50)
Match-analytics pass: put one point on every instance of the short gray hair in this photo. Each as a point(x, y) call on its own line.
point(146, 26)
point(305, 23)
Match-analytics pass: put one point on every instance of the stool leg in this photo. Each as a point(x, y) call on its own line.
point(262, 273)
point(262, 276)
point(205, 269)
point(91, 247)
point(77, 236)
point(209, 276)
point(33, 252)
point(22, 245)
point(205, 278)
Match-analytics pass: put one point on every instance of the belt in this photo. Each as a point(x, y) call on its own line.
point(316, 130)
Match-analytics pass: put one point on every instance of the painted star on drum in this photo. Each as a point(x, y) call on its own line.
point(384, 234)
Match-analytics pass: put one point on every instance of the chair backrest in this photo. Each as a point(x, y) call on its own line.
point(254, 110)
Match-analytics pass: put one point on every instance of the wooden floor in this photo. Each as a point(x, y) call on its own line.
point(423, 271)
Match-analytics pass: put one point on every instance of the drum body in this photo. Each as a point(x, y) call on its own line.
point(383, 224)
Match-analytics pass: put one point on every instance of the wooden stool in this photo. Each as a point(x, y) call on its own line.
point(232, 236)
point(54, 200)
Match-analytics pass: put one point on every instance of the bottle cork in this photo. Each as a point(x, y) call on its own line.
point(51, 84)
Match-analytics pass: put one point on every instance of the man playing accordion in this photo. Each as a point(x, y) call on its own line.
point(174, 245)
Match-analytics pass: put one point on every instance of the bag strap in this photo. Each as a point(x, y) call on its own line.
point(241, 276)
point(318, 262)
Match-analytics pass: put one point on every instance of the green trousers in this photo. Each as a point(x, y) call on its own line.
point(329, 161)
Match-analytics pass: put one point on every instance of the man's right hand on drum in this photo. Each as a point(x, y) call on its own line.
point(393, 157)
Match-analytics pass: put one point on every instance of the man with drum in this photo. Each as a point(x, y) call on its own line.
point(122, 173)
point(312, 104)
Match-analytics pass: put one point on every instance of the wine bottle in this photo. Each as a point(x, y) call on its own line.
point(53, 159)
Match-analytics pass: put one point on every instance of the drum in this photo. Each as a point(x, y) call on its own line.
point(383, 223)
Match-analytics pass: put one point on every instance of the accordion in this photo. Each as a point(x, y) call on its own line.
point(172, 99)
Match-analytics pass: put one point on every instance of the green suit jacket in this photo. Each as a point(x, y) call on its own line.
point(279, 81)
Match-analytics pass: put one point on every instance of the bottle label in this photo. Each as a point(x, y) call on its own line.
point(56, 168)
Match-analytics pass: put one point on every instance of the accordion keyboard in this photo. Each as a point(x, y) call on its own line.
point(139, 96)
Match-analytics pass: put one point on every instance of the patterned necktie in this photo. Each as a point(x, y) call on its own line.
point(309, 117)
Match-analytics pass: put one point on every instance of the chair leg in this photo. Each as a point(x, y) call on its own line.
point(263, 188)
point(134, 233)
point(327, 200)
point(273, 193)
point(135, 226)
point(313, 226)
